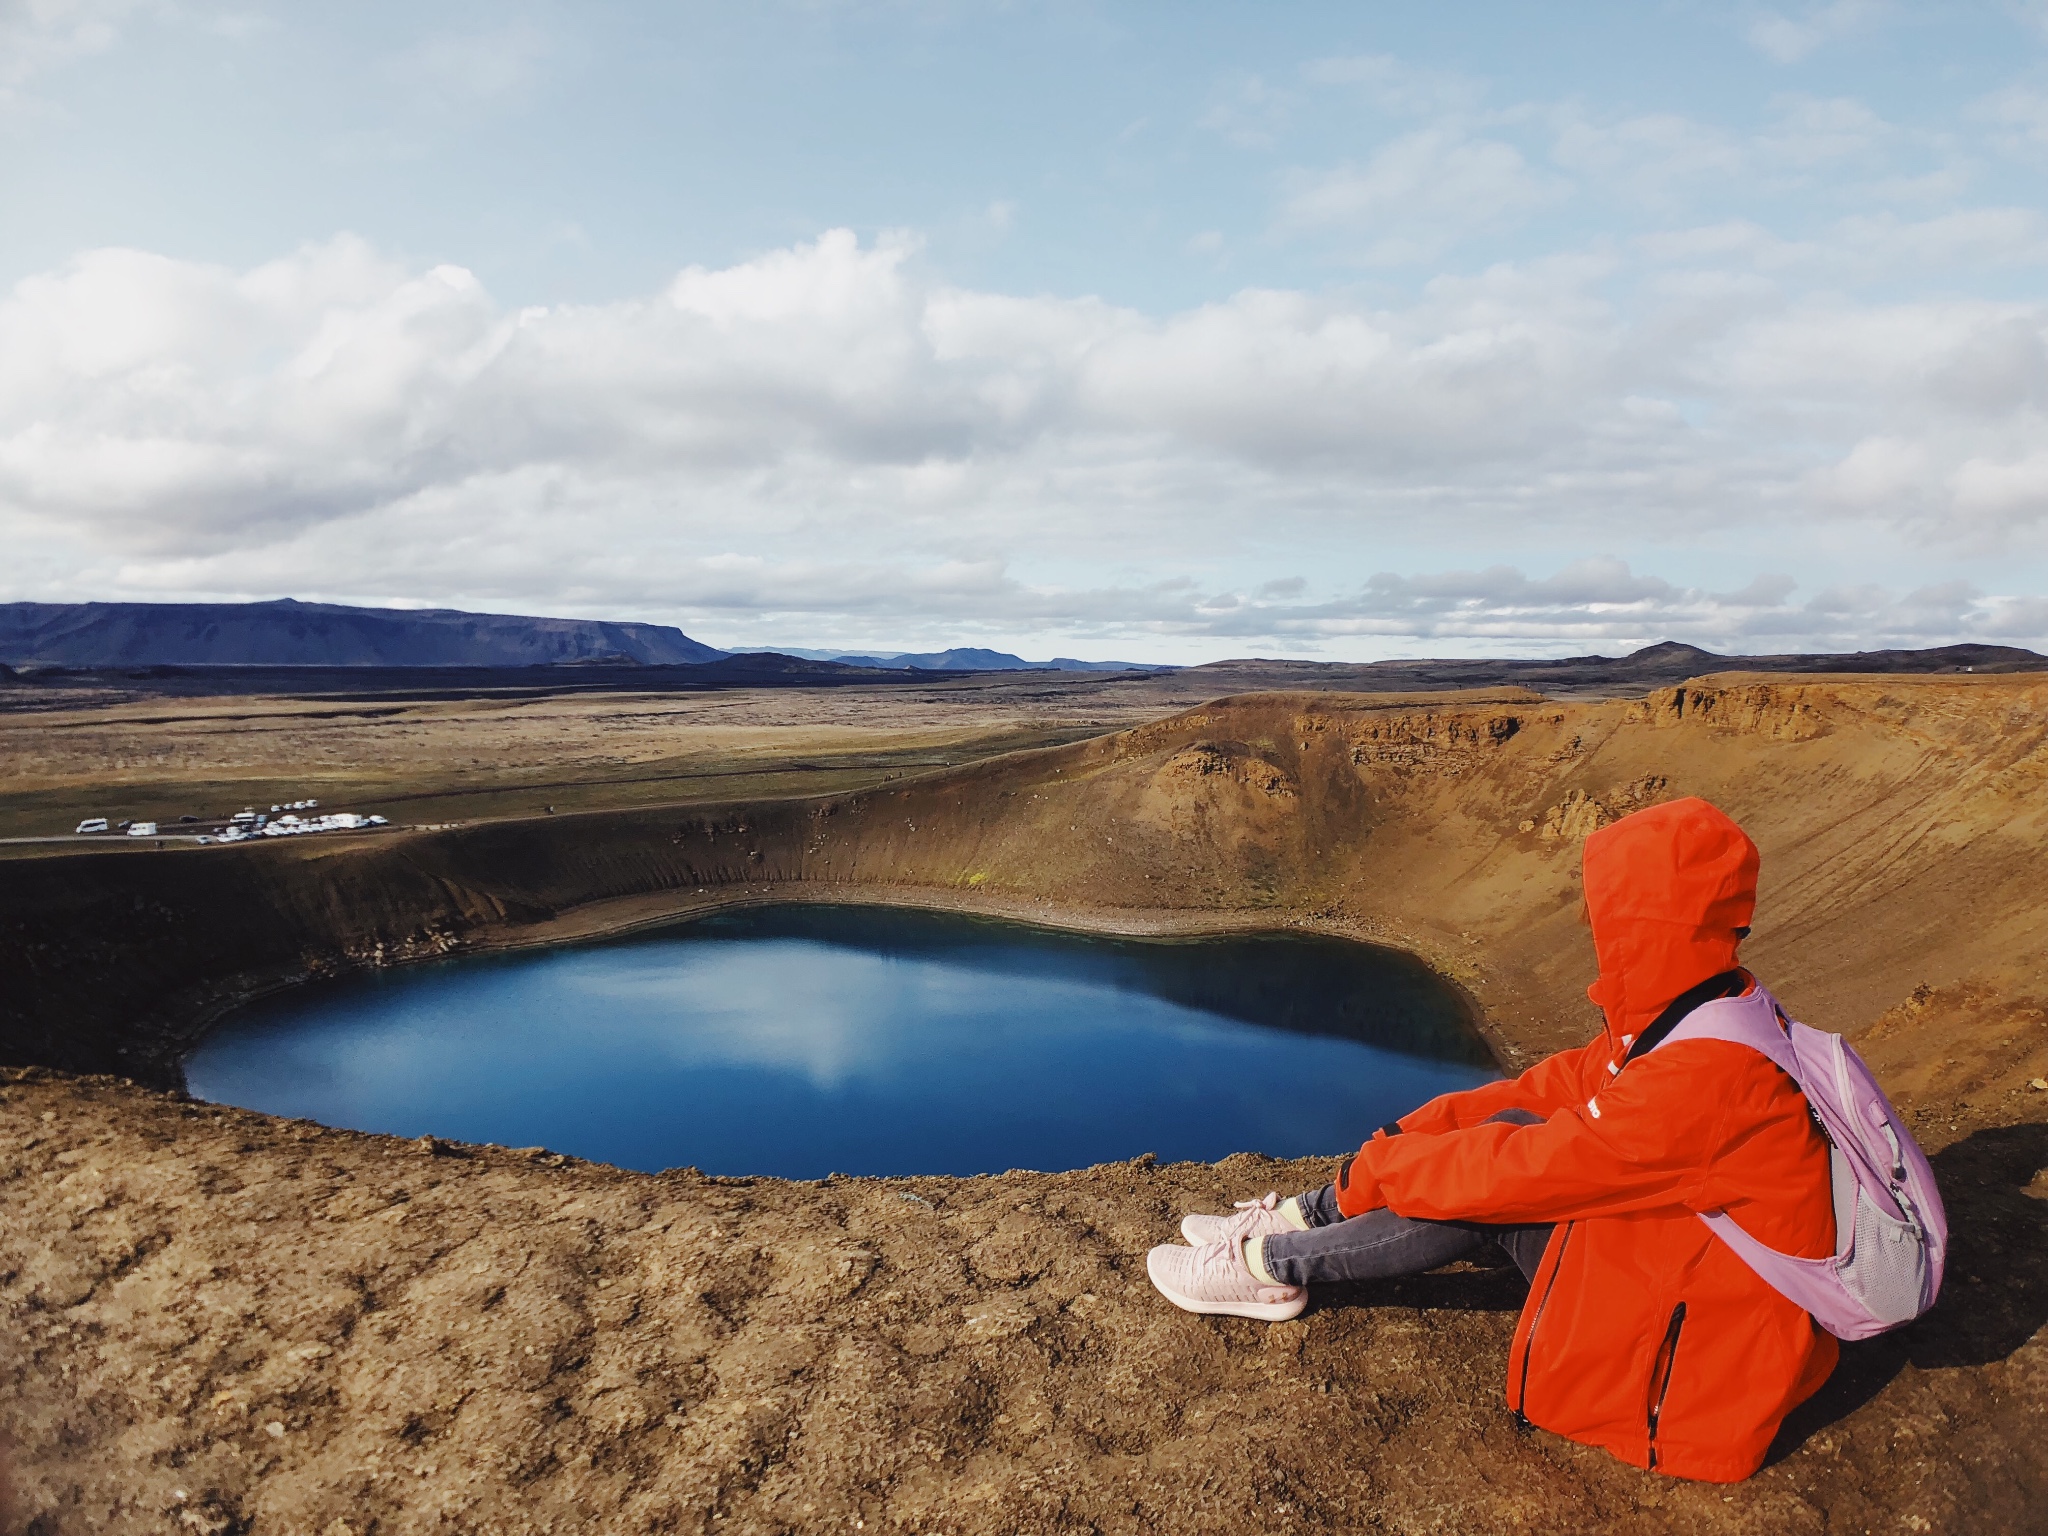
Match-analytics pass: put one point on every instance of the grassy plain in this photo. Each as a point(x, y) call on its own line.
point(497, 754)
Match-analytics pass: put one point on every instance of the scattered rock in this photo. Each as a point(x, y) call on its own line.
point(1581, 813)
point(999, 1320)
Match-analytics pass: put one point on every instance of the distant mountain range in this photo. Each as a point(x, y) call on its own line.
point(1668, 662)
point(289, 634)
point(286, 633)
point(965, 658)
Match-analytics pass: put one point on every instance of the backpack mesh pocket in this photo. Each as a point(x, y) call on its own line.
point(1887, 1269)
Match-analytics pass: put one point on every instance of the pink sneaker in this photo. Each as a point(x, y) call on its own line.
point(1215, 1278)
point(1254, 1218)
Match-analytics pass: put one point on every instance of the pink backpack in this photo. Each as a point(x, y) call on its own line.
point(1891, 1234)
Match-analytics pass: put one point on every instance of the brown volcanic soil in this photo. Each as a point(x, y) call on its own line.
point(479, 1339)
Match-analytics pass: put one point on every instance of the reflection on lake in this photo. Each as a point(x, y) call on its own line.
point(800, 1040)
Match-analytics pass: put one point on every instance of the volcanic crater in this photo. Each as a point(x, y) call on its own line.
point(224, 1322)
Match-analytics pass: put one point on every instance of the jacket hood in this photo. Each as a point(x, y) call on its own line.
point(1670, 891)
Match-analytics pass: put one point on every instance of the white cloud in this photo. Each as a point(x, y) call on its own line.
point(1250, 113)
point(38, 35)
point(827, 438)
point(467, 69)
point(1788, 39)
point(2018, 118)
point(1860, 250)
point(1398, 87)
point(1666, 161)
point(1969, 237)
point(1812, 133)
point(1603, 604)
point(1466, 175)
point(2002, 493)
point(1658, 159)
point(1419, 195)
point(1878, 474)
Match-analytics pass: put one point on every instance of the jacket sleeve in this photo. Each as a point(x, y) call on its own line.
point(1545, 1088)
point(1647, 1141)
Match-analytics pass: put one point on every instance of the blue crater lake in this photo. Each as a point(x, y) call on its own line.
point(801, 1040)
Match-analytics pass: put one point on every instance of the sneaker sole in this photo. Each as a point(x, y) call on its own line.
point(1258, 1311)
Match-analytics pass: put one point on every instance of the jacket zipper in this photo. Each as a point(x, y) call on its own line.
point(1660, 1375)
point(1529, 1342)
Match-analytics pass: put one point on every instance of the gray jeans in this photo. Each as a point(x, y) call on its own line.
point(1382, 1246)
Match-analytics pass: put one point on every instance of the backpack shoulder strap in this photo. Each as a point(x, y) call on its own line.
point(1727, 984)
point(1755, 1021)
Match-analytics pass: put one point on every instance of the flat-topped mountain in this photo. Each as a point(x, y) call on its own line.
point(290, 633)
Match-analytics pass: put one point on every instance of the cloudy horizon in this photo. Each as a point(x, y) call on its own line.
point(1053, 329)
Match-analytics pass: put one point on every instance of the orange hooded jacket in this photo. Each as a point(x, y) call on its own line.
point(1643, 1332)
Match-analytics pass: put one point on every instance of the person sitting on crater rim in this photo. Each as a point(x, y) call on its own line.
point(1643, 1332)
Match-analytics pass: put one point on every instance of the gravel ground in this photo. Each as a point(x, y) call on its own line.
point(217, 1321)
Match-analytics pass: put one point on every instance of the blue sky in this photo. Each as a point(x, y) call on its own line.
point(1176, 331)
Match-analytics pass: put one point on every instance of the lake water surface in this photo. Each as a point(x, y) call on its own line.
point(800, 1040)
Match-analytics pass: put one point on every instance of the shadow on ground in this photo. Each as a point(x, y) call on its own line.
point(1995, 1296)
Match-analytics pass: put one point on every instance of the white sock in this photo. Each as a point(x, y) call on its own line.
point(1290, 1209)
point(1256, 1262)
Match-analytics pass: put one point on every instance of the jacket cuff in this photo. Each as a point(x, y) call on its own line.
point(1358, 1187)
